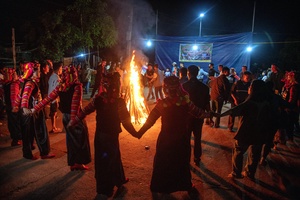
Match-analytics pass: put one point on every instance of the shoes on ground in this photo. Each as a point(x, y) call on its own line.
point(31, 158)
point(217, 126)
point(15, 143)
point(126, 180)
point(79, 167)
point(248, 175)
point(197, 161)
point(193, 192)
point(231, 130)
point(48, 156)
point(55, 130)
point(121, 191)
point(234, 175)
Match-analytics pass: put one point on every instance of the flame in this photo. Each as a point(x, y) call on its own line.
point(135, 96)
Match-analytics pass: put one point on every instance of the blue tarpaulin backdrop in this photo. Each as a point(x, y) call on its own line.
point(228, 50)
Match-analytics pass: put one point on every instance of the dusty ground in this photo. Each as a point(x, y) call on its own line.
point(52, 179)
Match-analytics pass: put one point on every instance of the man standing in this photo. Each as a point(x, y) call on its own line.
point(199, 95)
point(175, 70)
point(275, 77)
point(212, 73)
point(44, 81)
point(158, 77)
point(244, 68)
point(220, 90)
point(53, 82)
point(239, 93)
point(183, 75)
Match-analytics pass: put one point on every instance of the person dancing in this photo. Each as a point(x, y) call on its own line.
point(69, 90)
point(111, 111)
point(171, 167)
point(33, 126)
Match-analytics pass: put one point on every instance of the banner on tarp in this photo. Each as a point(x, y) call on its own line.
point(228, 50)
point(200, 52)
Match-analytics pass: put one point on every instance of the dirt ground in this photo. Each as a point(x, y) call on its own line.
point(52, 179)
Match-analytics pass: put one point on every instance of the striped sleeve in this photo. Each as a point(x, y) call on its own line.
point(76, 101)
point(28, 88)
point(51, 97)
point(83, 113)
point(14, 91)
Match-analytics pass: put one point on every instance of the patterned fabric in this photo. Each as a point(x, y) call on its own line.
point(23, 101)
point(69, 76)
point(76, 99)
point(28, 71)
point(8, 74)
point(14, 91)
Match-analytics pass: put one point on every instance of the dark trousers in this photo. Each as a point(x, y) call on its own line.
point(34, 127)
point(231, 118)
point(253, 157)
point(195, 127)
point(13, 123)
point(216, 106)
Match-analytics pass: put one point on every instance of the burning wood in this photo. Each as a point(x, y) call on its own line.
point(135, 100)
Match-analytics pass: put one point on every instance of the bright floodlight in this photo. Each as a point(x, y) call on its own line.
point(81, 55)
point(249, 49)
point(195, 47)
point(200, 26)
point(149, 43)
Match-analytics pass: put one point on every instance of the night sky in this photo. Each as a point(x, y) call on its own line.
point(275, 20)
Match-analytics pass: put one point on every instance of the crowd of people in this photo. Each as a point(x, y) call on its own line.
point(249, 97)
point(267, 109)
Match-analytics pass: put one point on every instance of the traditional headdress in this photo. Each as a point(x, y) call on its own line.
point(28, 71)
point(8, 74)
point(173, 89)
point(69, 76)
point(111, 83)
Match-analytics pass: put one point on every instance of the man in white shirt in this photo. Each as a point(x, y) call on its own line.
point(201, 74)
point(53, 82)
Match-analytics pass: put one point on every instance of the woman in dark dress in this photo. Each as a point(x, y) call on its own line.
point(171, 168)
point(111, 112)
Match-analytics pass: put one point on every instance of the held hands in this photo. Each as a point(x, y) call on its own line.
point(136, 134)
point(27, 111)
point(213, 114)
point(70, 124)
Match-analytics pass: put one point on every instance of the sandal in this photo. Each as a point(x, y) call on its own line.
point(55, 130)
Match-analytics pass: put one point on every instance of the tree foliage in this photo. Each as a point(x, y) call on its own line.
point(82, 26)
